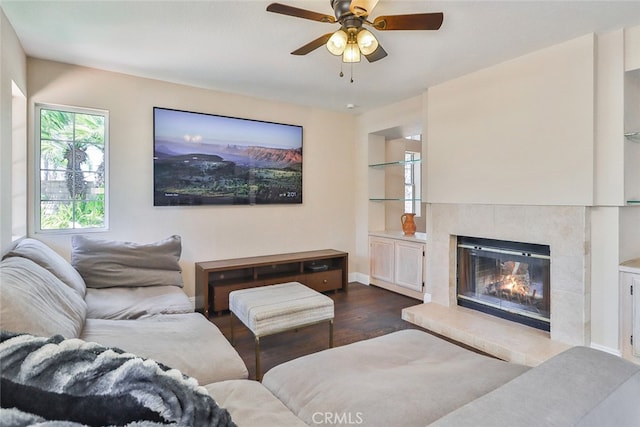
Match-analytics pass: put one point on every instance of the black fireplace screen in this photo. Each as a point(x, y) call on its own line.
point(506, 279)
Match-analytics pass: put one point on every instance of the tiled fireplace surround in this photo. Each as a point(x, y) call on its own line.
point(563, 228)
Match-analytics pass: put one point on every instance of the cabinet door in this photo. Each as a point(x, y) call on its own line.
point(635, 319)
point(381, 258)
point(630, 315)
point(408, 265)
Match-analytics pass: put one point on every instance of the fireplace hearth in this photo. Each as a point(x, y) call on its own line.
point(507, 279)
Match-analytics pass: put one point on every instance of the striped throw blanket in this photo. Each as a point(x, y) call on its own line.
point(71, 382)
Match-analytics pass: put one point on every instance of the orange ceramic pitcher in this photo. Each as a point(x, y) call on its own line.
point(408, 225)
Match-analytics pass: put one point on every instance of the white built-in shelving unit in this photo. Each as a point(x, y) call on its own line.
point(632, 137)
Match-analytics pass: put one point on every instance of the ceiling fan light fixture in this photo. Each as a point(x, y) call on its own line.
point(337, 43)
point(351, 53)
point(367, 42)
point(352, 41)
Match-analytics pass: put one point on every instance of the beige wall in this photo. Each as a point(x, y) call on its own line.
point(324, 220)
point(629, 233)
point(520, 132)
point(13, 70)
point(632, 48)
point(609, 168)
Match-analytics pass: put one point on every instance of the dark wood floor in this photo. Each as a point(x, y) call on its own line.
point(363, 312)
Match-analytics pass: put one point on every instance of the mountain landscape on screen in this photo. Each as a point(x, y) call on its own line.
point(198, 173)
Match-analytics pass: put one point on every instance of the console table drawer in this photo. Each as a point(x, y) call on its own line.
point(323, 280)
point(221, 294)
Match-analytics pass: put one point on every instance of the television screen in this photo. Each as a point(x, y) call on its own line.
point(205, 159)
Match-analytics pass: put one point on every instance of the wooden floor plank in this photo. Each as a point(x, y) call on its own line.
point(363, 312)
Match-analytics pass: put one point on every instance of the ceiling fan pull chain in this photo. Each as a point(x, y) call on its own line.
point(341, 73)
point(352, 72)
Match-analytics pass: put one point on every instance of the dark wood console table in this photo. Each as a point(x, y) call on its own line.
point(321, 270)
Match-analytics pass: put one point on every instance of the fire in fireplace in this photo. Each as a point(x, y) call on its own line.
point(506, 279)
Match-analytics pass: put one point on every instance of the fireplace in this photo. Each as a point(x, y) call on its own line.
point(507, 279)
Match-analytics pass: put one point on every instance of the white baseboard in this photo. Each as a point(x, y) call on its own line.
point(359, 277)
point(614, 351)
point(365, 280)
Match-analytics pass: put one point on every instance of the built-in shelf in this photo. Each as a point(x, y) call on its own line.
point(399, 163)
point(391, 199)
point(387, 164)
point(633, 136)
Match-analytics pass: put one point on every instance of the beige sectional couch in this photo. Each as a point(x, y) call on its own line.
point(407, 378)
point(411, 378)
point(44, 295)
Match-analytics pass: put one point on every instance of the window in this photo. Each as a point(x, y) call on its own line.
point(412, 182)
point(72, 147)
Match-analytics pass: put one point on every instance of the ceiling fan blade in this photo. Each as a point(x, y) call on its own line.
point(362, 7)
point(376, 55)
point(283, 9)
point(416, 21)
point(312, 45)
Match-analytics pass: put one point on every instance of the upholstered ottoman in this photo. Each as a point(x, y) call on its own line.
point(268, 310)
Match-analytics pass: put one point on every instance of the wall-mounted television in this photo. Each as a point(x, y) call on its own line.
point(206, 159)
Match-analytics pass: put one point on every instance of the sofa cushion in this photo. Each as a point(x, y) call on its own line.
point(251, 404)
point(407, 378)
point(579, 387)
point(46, 257)
point(82, 382)
point(188, 342)
point(136, 302)
point(33, 300)
point(107, 263)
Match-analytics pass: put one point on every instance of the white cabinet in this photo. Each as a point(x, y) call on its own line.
point(630, 309)
point(397, 264)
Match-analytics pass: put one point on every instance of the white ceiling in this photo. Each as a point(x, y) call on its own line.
point(236, 46)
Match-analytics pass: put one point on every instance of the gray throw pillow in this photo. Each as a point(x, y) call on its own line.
point(46, 257)
point(34, 301)
point(110, 263)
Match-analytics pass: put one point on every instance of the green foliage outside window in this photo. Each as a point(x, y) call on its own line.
point(72, 169)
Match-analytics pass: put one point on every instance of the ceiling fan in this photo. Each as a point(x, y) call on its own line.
point(352, 39)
